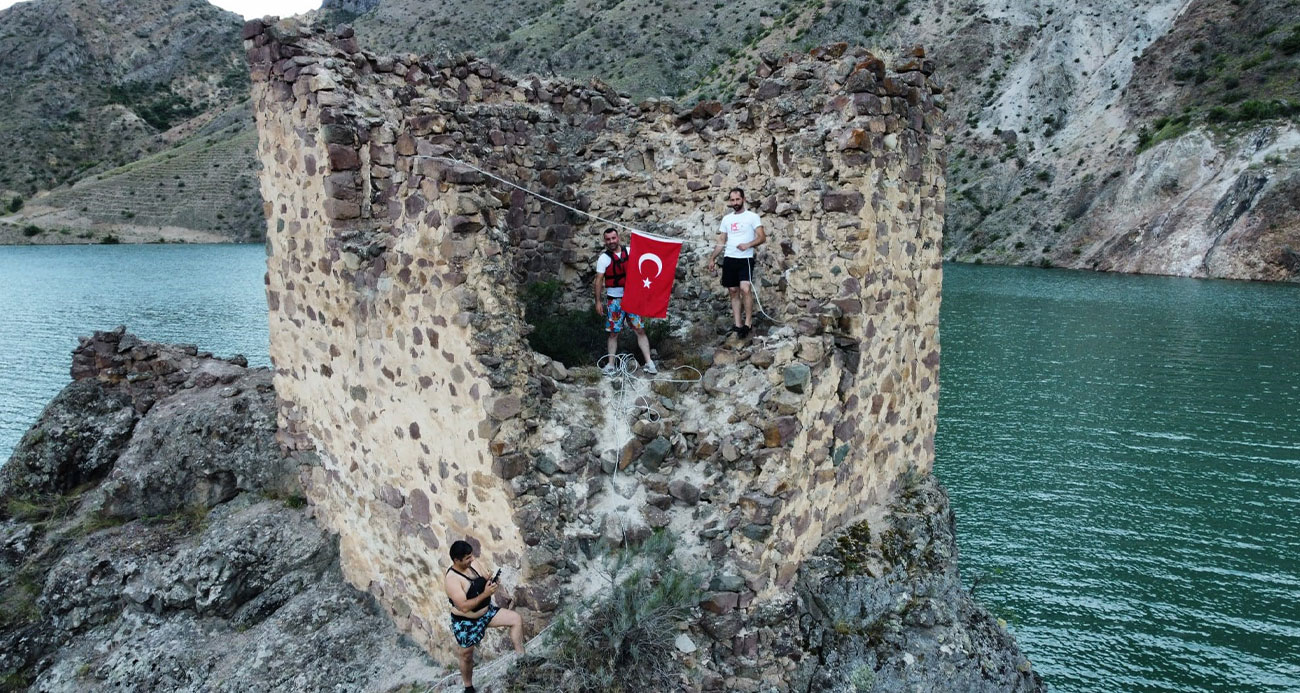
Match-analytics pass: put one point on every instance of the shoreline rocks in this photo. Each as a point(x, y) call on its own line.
point(153, 536)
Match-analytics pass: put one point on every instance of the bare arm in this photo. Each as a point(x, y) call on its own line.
point(717, 250)
point(599, 285)
point(760, 237)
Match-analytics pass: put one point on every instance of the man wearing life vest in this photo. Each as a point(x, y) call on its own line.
point(611, 274)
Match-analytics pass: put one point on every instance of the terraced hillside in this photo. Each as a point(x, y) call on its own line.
point(209, 183)
point(91, 85)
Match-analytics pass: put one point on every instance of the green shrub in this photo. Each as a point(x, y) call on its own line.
point(572, 337)
point(109, 239)
point(15, 204)
point(622, 639)
point(1218, 114)
point(1291, 44)
point(32, 230)
point(1166, 128)
point(156, 104)
point(863, 679)
point(1254, 109)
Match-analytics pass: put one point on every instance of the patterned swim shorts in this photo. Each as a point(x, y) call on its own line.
point(469, 632)
point(615, 317)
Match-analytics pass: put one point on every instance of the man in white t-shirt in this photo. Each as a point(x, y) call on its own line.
point(739, 233)
point(611, 275)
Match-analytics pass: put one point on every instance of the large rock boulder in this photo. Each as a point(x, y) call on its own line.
point(194, 565)
point(200, 447)
point(885, 609)
point(77, 438)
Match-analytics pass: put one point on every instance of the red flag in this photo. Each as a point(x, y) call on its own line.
point(651, 268)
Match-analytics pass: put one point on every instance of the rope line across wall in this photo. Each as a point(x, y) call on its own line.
point(589, 215)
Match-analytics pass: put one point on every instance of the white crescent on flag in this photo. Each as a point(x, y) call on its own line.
point(659, 264)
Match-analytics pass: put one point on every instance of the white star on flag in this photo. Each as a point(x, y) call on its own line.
point(647, 283)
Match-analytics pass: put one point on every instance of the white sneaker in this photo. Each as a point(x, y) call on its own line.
point(650, 368)
point(609, 369)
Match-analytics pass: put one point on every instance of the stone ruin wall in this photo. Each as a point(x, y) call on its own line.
point(398, 337)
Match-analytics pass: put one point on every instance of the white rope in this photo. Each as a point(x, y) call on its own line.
point(625, 382)
point(752, 284)
point(497, 666)
point(753, 288)
point(540, 196)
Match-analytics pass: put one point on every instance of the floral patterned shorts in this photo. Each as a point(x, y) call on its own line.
point(615, 317)
point(469, 632)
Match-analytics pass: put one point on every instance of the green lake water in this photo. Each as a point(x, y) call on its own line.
point(209, 295)
point(1123, 453)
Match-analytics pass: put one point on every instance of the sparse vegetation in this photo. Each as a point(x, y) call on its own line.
point(854, 548)
point(191, 519)
point(18, 605)
point(1253, 110)
point(622, 640)
point(1163, 129)
point(572, 337)
point(156, 104)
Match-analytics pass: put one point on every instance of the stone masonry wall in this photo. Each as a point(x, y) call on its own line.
point(398, 338)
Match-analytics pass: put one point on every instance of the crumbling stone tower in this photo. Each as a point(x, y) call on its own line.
point(397, 333)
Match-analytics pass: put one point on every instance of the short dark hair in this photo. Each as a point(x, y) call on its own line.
point(460, 549)
point(609, 230)
point(736, 190)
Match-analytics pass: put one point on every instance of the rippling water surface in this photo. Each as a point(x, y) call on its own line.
point(210, 295)
point(1123, 455)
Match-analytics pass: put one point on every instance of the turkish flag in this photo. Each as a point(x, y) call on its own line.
point(651, 268)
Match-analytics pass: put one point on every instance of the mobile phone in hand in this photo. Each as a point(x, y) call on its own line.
point(497, 577)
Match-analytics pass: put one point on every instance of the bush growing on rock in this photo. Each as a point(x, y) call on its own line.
point(623, 639)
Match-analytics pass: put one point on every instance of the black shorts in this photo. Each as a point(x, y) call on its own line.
point(736, 270)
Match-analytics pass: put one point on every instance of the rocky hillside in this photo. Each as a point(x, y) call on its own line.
point(1159, 136)
point(92, 86)
point(153, 537)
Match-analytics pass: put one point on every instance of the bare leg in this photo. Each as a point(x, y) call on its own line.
point(507, 618)
point(644, 343)
point(747, 291)
point(611, 346)
point(466, 656)
point(735, 305)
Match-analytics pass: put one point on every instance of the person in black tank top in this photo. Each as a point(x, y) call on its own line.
point(472, 610)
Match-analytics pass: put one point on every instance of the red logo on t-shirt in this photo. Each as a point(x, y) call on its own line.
point(735, 226)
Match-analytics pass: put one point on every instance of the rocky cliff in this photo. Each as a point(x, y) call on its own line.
point(153, 537)
point(1157, 137)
